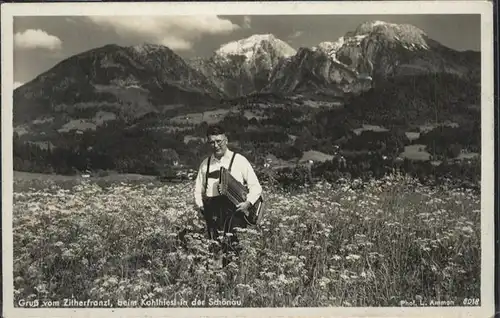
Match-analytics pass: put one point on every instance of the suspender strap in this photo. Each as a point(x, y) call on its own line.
point(208, 169)
point(206, 174)
point(231, 163)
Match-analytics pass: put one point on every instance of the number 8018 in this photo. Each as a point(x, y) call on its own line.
point(471, 301)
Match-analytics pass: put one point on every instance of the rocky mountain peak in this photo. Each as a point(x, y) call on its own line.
point(145, 48)
point(408, 35)
point(250, 46)
point(149, 77)
point(244, 66)
point(330, 48)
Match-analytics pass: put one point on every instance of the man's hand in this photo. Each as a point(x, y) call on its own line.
point(201, 212)
point(243, 206)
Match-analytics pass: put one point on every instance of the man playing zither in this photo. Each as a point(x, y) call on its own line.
point(219, 212)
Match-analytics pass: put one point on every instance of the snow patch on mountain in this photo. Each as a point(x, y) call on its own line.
point(331, 48)
point(369, 26)
point(356, 40)
point(353, 46)
point(250, 46)
point(409, 36)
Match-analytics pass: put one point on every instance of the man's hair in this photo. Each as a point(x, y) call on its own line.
point(215, 130)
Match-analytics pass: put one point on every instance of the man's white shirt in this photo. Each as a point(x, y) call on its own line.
point(241, 170)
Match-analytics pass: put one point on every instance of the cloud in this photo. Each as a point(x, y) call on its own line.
point(296, 34)
point(176, 43)
point(247, 22)
point(36, 39)
point(177, 32)
point(17, 84)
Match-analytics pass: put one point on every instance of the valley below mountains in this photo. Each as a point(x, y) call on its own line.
point(143, 108)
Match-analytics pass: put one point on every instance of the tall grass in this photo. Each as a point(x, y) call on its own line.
point(352, 244)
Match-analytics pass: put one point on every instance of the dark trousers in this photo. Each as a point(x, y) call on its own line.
point(221, 218)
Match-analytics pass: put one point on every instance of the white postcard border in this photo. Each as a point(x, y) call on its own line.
point(483, 8)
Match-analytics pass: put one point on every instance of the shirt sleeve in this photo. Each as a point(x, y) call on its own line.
point(254, 187)
point(199, 186)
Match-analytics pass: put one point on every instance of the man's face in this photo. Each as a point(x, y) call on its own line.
point(218, 144)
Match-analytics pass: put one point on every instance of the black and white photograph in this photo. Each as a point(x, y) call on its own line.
point(247, 159)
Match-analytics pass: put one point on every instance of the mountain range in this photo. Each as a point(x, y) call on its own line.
point(130, 82)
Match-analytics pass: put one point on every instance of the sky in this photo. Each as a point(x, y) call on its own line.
point(42, 42)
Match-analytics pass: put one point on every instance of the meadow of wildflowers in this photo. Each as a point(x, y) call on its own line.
point(377, 243)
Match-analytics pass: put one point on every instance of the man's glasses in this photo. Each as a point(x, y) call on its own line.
point(218, 142)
